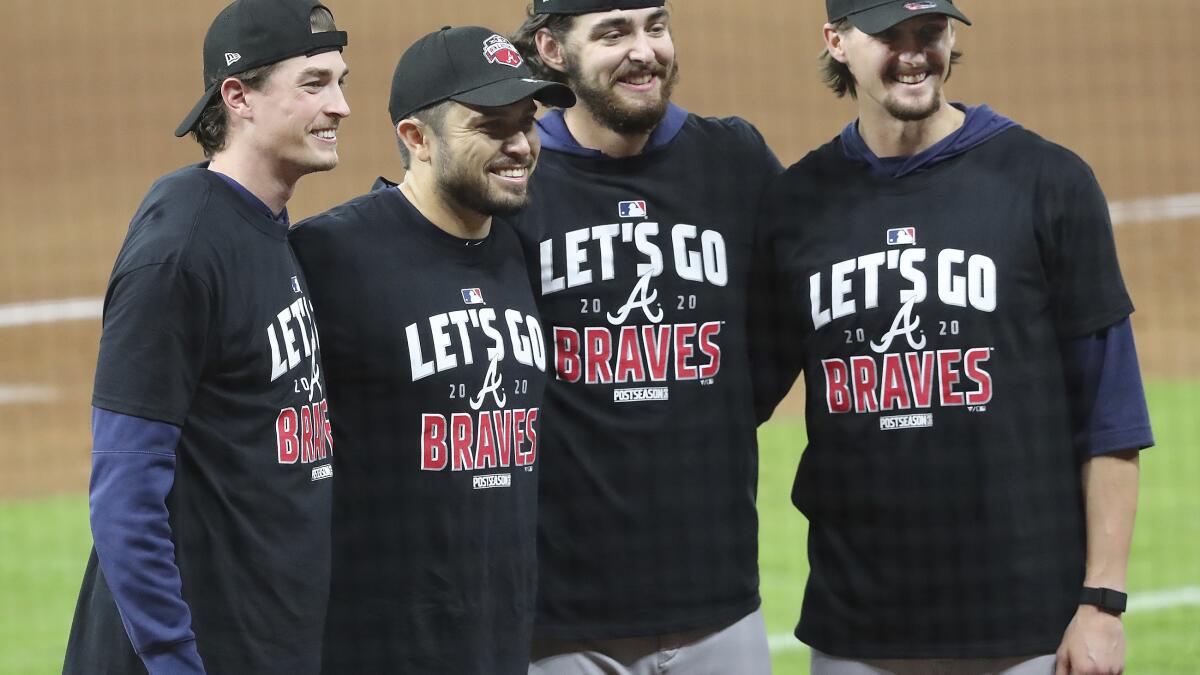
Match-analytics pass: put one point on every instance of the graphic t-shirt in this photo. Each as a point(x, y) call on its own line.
point(927, 312)
point(435, 350)
point(641, 266)
point(208, 327)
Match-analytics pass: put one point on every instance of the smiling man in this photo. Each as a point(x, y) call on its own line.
point(639, 246)
point(210, 513)
point(950, 289)
point(436, 355)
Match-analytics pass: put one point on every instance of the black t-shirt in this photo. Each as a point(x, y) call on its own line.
point(435, 352)
point(208, 326)
point(647, 522)
point(940, 481)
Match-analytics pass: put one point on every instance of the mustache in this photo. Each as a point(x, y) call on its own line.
point(509, 163)
point(655, 69)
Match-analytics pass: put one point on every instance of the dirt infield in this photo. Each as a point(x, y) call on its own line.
point(100, 87)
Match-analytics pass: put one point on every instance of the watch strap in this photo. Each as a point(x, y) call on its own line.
point(1105, 598)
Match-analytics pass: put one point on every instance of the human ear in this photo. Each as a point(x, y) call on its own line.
point(551, 51)
point(834, 42)
point(412, 133)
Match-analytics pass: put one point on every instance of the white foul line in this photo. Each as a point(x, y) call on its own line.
point(1173, 207)
point(50, 311)
point(1149, 601)
point(26, 393)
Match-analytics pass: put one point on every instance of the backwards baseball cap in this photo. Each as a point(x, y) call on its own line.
point(253, 33)
point(876, 16)
point(589, 6)
point(469, 64)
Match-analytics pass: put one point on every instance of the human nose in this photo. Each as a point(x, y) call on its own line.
point(338, 106)
point(518, 145)
point(642, 50)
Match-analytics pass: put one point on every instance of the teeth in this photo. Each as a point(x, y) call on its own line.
point(640, 79)
point(912, 79)
point(511, 173)
point(327, 134)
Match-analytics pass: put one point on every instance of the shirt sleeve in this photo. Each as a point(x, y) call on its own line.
point(133, 468)
point(1108, 401)
point(152, 349)
point(1079, 253)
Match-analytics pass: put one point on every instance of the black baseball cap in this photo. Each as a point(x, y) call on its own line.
point(469, 64)
point(589, 6)
point(876, 16)
point(253, 33)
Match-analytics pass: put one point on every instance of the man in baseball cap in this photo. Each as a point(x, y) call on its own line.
point(211, 481)
point(985, 529)
point(437, 361)
point(637, 241)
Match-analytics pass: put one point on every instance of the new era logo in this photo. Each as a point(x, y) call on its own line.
point(232, 57)
point(472, 296)
point(497, 49)
point(633, 209)
point(902, 236)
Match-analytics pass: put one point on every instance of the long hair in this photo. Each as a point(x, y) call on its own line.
point(837, 76)
point(525, 40)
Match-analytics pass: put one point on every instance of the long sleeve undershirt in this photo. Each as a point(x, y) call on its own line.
point(133, 469)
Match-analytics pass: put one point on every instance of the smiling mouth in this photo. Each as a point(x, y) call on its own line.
point(329, 135)
point(518, 173)
point(915, 78)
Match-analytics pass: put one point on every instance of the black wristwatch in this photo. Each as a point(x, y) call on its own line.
point(1106, 599)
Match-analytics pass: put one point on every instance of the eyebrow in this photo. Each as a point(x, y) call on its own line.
point(623, 22)
point(319, 72)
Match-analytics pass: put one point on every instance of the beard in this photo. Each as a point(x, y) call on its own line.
point(915, 112)
point(906, 112)
point(611, 111)
point(461, 184)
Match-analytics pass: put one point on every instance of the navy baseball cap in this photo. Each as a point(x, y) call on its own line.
point(876, 16)
point(469, 64)
point(589, 6)
point(253, 33)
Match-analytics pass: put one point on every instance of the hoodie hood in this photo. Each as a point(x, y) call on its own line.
point(981, 125)
point(556, 136)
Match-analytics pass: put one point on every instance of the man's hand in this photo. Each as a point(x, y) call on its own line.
point(1094, 644)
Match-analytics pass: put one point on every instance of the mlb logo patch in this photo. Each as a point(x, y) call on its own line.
point(902, 236)
point(633, 209)
point(915, 6)
point(472, 296)
point(295, 285)
point(497, 49)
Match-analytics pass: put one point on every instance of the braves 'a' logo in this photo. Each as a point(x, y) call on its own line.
point(904, 324)
point(641, 298)
point(491, 385)
point(497, 49)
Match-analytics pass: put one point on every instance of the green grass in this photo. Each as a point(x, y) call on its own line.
point(44, 545)
point(43, 548)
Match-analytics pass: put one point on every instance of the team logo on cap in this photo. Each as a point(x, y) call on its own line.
point(914, 6)
point(232, 58)
point(498, 49)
